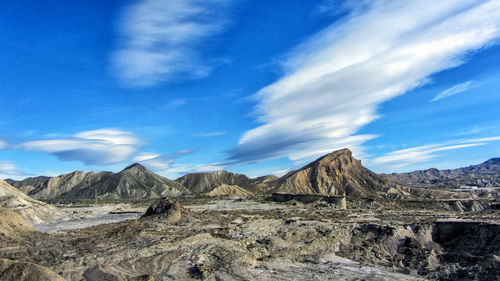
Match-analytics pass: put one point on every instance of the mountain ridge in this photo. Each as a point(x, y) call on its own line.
point(485, 174)
point(134, 181)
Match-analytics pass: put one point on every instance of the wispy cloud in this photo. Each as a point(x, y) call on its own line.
point(405, 157)
point(334, 82)
point(457, 89)
point(8, 169)
point(3, 144)
point(178, 169)
point(97, 147)
point(176, 103)
point(160, 39)
point(210, 134)
point(161, 162)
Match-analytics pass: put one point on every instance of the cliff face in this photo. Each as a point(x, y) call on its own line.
point(482, 175)
point(335, 174)
point(203, 182)
point(134, 181)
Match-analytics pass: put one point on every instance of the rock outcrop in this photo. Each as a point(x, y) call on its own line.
point(32, 210)
point(12, 224)
point(25, 271)
point(336, 173)
point(485, 174)
point(135, 181)
point(165, 209)
point(102, 273)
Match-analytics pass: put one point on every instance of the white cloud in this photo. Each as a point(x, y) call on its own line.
point(161, 162)
point(457, 89)
point(161, 38)
point(104, 146)
point(143, 156)
point(10, 169)
point(334, 82)
point(3, 144)
point(405, 157)
point(177, 170)
point(280, 173)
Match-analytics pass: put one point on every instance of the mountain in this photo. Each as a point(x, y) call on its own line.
point(335, 174)
point(228, 190)
point(48, 188)
point(30, 209)
point(135, 181)
point(482, 175)
point(199, 183)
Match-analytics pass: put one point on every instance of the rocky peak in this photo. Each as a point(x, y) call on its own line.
point(492, 161)
point(136, 167)
point(335, 174)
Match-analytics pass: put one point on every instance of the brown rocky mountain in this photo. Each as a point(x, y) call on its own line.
point(486, 174)
point(135, 181)
point(228, 190)
point(199, 183)
point(335, 174)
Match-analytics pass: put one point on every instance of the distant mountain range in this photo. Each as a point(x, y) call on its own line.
point(336, 173)
point(486, 174)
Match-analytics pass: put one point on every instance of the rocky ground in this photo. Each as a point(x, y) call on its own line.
point(238, 239)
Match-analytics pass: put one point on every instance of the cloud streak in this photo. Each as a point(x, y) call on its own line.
point(3, 145)
point(334, 82)
point(210, 134)
point(457, 89)
point(97, 147)
point(9, 169)
point(159, 40)
point(161, 162)
point(405, 157)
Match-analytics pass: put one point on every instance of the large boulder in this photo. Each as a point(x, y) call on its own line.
point(165, 208)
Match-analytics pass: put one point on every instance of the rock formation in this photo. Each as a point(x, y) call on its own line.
point(32, 210)
point(135, 181)
point(25, 271)
point(335, 174)
point(11, 224)
point(166, 209)
point(482, 175)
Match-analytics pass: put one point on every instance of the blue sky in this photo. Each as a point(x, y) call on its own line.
point(255, 87)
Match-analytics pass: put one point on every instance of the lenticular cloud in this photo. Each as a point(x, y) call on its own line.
point(334, 82)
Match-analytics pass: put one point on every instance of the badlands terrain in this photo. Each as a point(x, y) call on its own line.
point(330, 220)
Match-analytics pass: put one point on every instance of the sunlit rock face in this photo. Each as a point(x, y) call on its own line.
point(336, 173)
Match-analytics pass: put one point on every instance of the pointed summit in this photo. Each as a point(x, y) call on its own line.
point(335, 174)
point(136, 166)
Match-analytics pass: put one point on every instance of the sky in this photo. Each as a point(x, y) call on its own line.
point(252, 87)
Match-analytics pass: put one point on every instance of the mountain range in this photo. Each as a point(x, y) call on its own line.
point(336, 173)
point(135, 181)
point(486, 174)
